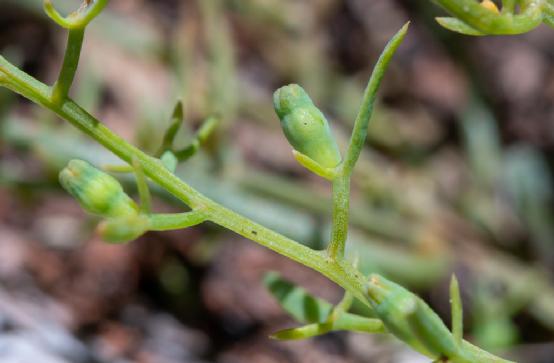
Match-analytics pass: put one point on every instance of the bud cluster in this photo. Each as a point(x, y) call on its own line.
point(101, 194)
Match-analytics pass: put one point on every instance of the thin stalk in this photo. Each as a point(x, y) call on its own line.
point(142, 187)
point(70, 63)
point(341, 207)
point(457, 311)
point(168, 222)
point(200, 138)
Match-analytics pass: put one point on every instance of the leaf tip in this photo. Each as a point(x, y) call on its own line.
point(178, 110)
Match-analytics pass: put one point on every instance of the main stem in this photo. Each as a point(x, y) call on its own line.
point(341, 206)
point(341, 272)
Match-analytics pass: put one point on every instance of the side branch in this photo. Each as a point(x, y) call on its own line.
point(69, 67)
point(359, 134)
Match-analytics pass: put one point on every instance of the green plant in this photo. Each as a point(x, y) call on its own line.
point(472, 17)
point(396, 310)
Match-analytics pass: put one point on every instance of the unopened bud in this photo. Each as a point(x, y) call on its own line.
point(305, 126)
point(97, 192)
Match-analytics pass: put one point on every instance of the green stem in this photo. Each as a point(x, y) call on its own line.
point(341, 207)
point(174, 126)
point(341, 273)
point(457, 311)
point(78, 19)
point(173, 221)
point(142, 187)
point(69, 67)
point(200, 138)
point(341, 183)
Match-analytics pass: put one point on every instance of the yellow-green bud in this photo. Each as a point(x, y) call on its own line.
point(97, 192)
point(305, 126)
point(123, 229)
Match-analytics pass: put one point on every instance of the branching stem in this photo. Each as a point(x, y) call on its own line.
point(61, 88)
point(341, 273)
point(330, 263)
point(341, 182)
point(168, 222)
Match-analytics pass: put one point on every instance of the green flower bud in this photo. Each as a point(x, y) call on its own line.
point(410, 319)
point(123, 229)
point(305, 126)
point(97, 192)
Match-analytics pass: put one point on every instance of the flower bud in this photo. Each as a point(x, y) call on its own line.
point(123, 229)
point(305, 126)
point(97, 192)
point(410, 319)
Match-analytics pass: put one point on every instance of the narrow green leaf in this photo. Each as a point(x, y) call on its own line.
point(174, 126)
point(304, 307)
point(482, 142)
point(303, 332)
point(200, 138)
point(321, 314)
point(360, 324)
point(345, 322)
point(359, 134)
point(458, 26)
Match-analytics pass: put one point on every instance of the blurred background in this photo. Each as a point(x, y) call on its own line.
point(456, 178)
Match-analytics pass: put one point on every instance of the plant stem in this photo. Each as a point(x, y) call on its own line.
point(168, 222)
point(341, 273)
point(457, 311)
point(69, 67)
point(203, 133)
point(142, 187)
point(341, 183)
point(341, 206)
